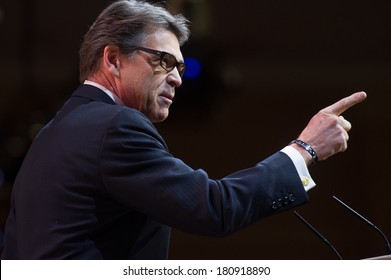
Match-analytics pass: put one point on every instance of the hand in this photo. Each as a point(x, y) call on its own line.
point(327, 131)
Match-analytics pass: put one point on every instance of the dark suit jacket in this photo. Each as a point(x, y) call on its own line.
point(99, 183)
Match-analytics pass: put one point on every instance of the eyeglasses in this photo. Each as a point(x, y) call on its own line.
point(167, 60)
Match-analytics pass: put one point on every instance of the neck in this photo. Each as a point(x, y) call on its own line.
point(104, 84)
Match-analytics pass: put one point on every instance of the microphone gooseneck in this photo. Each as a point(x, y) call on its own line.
point(388, 246)
point(318, 234)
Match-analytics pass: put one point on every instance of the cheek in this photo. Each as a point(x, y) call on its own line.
point(152, 89)
point(134, 89)
point(142, 91)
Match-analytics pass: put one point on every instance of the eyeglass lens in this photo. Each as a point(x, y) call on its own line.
point(169, 62)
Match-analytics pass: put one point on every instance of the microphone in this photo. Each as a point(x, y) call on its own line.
point(388, 246)
point(318, 234)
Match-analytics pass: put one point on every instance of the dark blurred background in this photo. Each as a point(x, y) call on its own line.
point(267, 66)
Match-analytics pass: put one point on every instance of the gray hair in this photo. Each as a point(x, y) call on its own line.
point(122, 24)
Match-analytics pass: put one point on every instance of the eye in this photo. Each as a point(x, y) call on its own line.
point(168, 61)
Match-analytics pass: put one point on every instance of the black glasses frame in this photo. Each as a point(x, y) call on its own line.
point(163, 55)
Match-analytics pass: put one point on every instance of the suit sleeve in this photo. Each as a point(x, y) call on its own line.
point(137, 170)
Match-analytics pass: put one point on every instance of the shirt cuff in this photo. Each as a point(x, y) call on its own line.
point(301, 167)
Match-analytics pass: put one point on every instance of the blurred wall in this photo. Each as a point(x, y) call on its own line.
point(268, 67)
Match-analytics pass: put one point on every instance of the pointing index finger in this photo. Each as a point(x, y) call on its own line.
point(345, 103)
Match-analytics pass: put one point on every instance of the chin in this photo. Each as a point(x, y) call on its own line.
point(158, 118)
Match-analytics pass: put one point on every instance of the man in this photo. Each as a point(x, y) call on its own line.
point(99, 183)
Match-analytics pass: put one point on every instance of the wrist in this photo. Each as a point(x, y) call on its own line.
point(308, 153)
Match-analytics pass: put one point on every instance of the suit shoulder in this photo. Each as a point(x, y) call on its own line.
point(128, 121)
point(129, 116)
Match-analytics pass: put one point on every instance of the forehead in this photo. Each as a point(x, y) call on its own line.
point(163, 40)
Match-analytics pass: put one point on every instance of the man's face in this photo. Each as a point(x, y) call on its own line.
point(143, 84)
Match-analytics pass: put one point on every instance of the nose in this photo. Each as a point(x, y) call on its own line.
point(174, 79)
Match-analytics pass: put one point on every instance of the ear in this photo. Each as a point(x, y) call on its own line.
point(111, 59)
